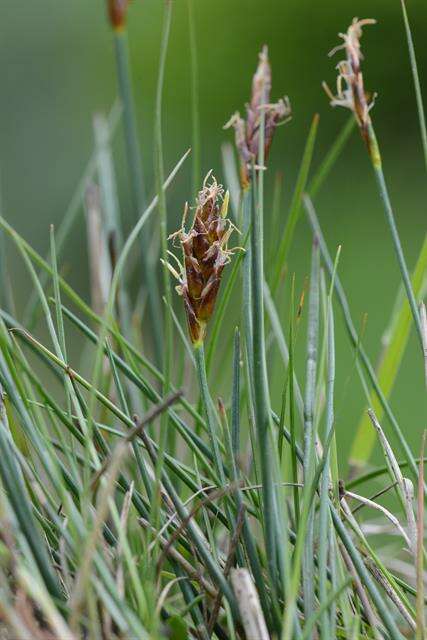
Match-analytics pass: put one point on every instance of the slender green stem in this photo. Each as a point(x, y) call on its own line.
point(197, 538)
point(195, 117)
point(310, 624)
point(136, 180)
point(250, 543)
point(324, 489)
point(259, 370)
point(159, 170)
point(382, 187)
point(309, 492)
point(247, 293)
point(363, 573)
point(292, 421)
point(309, 429)
point(331, 157)
point(211, 417)
point(355, 339)
point(296, 207)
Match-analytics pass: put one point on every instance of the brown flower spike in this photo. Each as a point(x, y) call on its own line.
point(352, 95)
point(117, 10)
point(247, 132)
point(205, 254)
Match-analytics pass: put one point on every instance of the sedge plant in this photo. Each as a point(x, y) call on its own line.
point(136, 502)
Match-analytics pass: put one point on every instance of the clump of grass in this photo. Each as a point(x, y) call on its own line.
point(242, 524)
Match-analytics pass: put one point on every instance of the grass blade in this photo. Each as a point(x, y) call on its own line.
point(296, 206)
point(391, 358)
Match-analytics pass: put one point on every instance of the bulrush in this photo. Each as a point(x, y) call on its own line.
point(117, 13)
point(350, 88)
point(247, 132)
point(205, 255)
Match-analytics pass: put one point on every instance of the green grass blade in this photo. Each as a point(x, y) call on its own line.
point(324, 518)
point(355, 340)
point(362, 571)
point(195, 110)
point(388, 368)
point(309, 422)
point(331, 158)
point(14, 485)
point(296, 206)
point(391, 222)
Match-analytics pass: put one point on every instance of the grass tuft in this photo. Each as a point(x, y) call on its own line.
point(150, 491)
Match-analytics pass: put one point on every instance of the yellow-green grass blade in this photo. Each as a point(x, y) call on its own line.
point(388, 369)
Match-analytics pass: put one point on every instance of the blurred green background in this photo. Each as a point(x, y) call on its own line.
point(57, 70)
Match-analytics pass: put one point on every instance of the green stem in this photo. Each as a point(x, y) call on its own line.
point(355, 339)
point(211, 418)
point(292, 409)
point(363, 573)
point(382, 187)
point(159, 170)
point(136, 180)
point(260, 381)
point(247, 296)
point(309, 428)
point(324, 518)
point(194, 99)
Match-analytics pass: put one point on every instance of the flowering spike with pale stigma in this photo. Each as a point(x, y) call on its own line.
point(350, 87)
point(247, 131)
point(351, 94)
point(205, 254)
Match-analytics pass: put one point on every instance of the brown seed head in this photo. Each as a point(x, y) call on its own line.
point(117, 10)
point(247, 132)
point(350, 88)
point(205, 254)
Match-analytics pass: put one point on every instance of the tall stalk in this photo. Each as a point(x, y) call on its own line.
point(247, 293)
point(375, 156)
point(351, 94)
point(159, 171)
point(259, 368)
point(309, 425)
point(324, 516)
point(211, 418)
point(134, 162)
point(195, 117)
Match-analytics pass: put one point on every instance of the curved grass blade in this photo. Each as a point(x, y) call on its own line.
point(391, 358)
point(296, 205)
point(354, 338)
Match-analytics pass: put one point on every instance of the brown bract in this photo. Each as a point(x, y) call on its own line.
point(350, 87)
point(247, 132)
point(205, 254)
point(117, 12)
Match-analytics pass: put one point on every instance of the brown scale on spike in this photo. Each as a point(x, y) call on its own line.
point(117, 10)
point(247, 132)
point(205, 255)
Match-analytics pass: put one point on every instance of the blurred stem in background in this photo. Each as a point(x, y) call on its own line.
point(195, 116)
point(134, 160)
